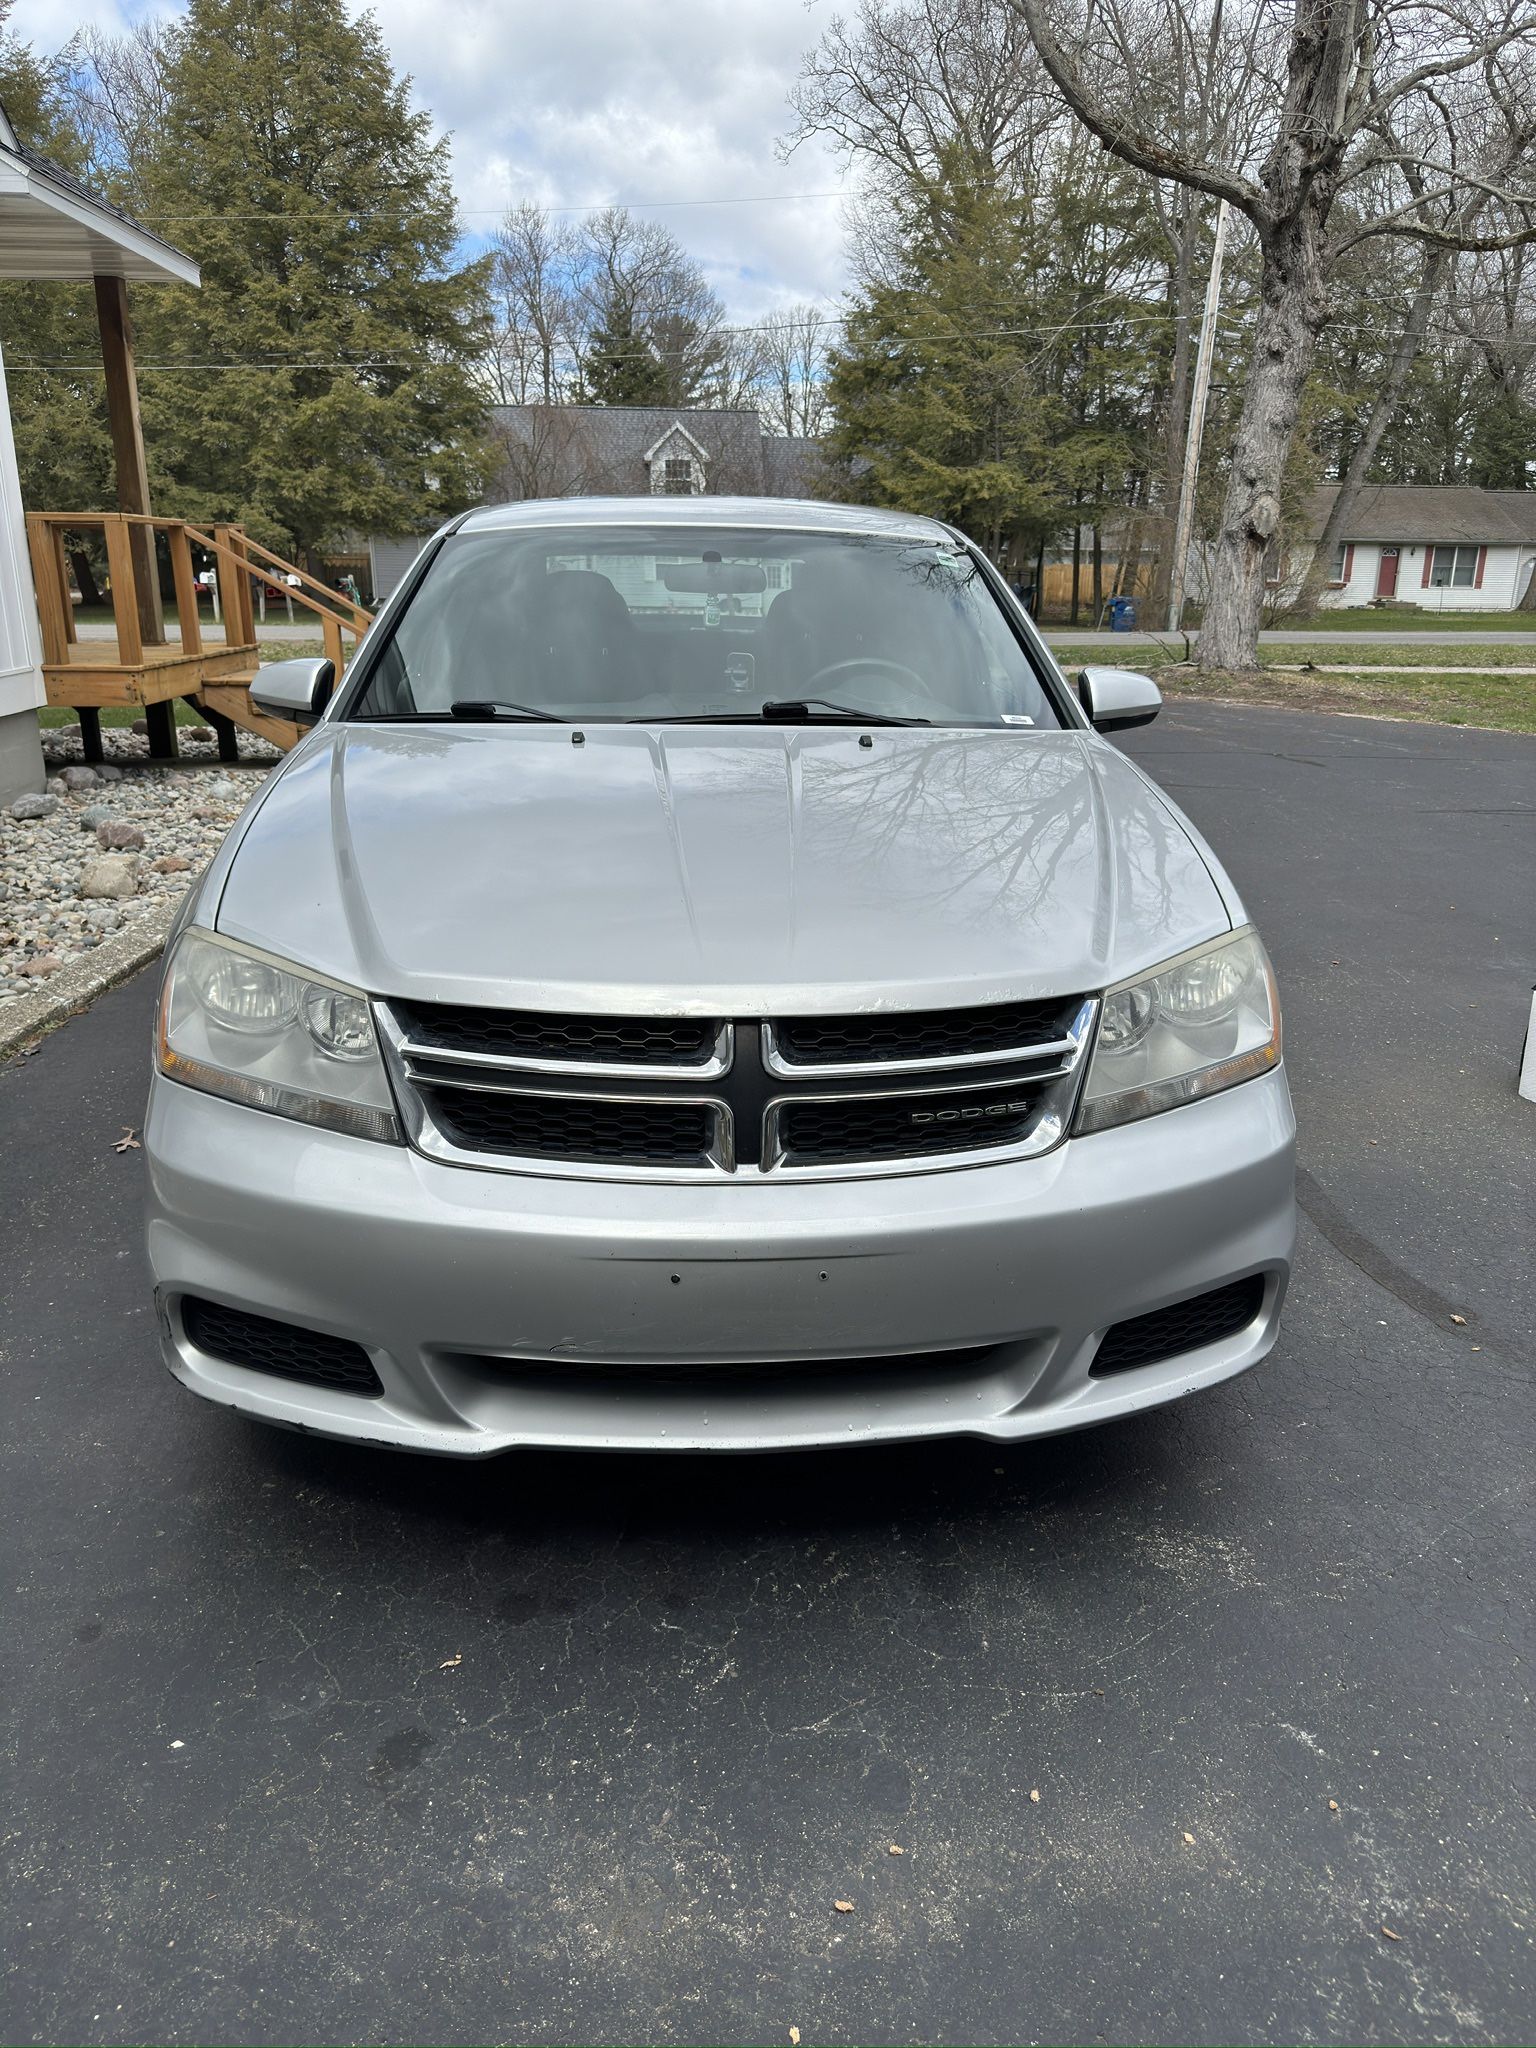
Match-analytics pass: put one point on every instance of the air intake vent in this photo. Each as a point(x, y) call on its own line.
point(922, 1034)
point(904, 1126)
point(575, 1127)
point(1183, 1326)
point(560, 1039)
point(284, 1349)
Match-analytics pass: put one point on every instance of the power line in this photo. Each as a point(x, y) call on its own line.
point(496, 212)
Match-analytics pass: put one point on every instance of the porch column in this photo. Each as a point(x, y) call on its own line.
point(116, 326)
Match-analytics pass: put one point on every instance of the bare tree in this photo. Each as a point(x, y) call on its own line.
point(633, 277)
point(792, 383)
point(116, 94)
point(1359, 75)
point(535, 308)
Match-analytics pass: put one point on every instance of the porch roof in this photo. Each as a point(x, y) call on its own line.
point(54, 228)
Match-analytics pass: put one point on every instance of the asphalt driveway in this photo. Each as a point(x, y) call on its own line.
point(311, 1744)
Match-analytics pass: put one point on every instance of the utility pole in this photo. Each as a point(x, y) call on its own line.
point(1198, 401)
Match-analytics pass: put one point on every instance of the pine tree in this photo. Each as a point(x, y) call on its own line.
point(619, 365)
point(322, 378)
point(937, 401)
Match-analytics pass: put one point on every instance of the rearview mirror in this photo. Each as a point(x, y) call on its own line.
point(299, 690)
point(1116, 697)
point(713, 579)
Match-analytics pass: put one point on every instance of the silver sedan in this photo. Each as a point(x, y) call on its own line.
point(705, 981)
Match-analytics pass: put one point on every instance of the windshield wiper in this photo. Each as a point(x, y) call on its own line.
point(488, 708)
point(792, 710)
point(802, 708)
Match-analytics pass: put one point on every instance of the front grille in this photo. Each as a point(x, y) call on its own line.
point(1183, 1326)
point(541, 1035)
point(903, 1126)
point(284, 1349)
point(734, 1096)
point(922, 1034)
point(574, 1127)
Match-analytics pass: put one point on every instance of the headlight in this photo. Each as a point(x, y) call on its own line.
point(235, 1022)
point(1204, 1022)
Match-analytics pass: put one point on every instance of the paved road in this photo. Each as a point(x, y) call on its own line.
point(698, 1701)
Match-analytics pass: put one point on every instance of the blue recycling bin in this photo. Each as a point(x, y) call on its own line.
point(1122, 615)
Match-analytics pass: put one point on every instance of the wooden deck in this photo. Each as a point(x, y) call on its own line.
point(212, 672)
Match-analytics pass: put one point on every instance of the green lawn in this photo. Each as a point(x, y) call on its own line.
point(1411, 693)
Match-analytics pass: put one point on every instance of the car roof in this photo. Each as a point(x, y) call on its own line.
point(778, 515)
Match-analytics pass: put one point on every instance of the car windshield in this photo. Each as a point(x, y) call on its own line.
point(676, 624)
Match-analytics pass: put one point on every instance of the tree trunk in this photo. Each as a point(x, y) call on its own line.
point(1292, 313)
point(1077, 555)
point(1385, 405)
point(85, 576)
point(1098, 566)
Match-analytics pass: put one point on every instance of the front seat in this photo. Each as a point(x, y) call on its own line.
point(580, 640)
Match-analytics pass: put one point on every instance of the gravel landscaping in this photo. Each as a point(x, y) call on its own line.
point(100, 850)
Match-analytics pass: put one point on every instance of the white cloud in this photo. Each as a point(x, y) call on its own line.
point(574, 102)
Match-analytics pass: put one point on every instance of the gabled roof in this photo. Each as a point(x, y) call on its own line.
point(673, 432)
point(1430, 513)
point(54, 228)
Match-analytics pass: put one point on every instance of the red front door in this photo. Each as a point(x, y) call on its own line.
point(1386, 575)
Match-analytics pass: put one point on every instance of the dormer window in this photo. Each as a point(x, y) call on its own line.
point(677, 465)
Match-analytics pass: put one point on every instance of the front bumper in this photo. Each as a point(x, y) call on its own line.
point(501, 1310)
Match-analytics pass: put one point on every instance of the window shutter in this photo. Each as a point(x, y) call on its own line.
point(1429, 556)
point(1349, 560)
point(1482, 563)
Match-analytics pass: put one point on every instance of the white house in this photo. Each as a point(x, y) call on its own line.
point(1443, 547)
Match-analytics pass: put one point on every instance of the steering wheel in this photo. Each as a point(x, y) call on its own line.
point(837, 668)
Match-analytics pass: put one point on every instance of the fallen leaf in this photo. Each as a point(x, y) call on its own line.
point(127, 1142)
point(842, 1905)
point(1458, 1319)
point(1034, 1797)
point(894, 1850)
point(1189, 1839)
point(1386, 1930)
point(1333, 1806)
point(178, 1745)
point(794, 2036)
point(452, 1663)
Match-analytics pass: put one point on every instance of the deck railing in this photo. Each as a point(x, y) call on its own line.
point(211, 669)
point(238, 558)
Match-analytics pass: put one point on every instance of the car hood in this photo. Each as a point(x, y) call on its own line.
point(716, 870)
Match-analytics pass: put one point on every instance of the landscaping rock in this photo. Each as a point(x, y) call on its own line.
point(171, 864)
point(106, 772)
point(94, 815)
point(141, 727)
point(222, 786)
point(34, 805)
point(118, 836)
point(41, 964)
point(115, 875)
point(80, 778)
point(102, 917)
point(198, 732)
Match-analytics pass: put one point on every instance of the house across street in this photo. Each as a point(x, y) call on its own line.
point(1440, 546)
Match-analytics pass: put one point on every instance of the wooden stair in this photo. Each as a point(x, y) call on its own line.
point(230, 698)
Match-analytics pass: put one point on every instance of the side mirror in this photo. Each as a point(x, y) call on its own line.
point(299, 690)
point(1115, 697)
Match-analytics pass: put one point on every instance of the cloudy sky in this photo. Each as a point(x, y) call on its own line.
point(571, 102)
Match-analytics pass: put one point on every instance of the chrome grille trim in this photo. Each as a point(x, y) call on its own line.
point(711, 1068)
point(1066, 1048)
point(1052, 1073)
